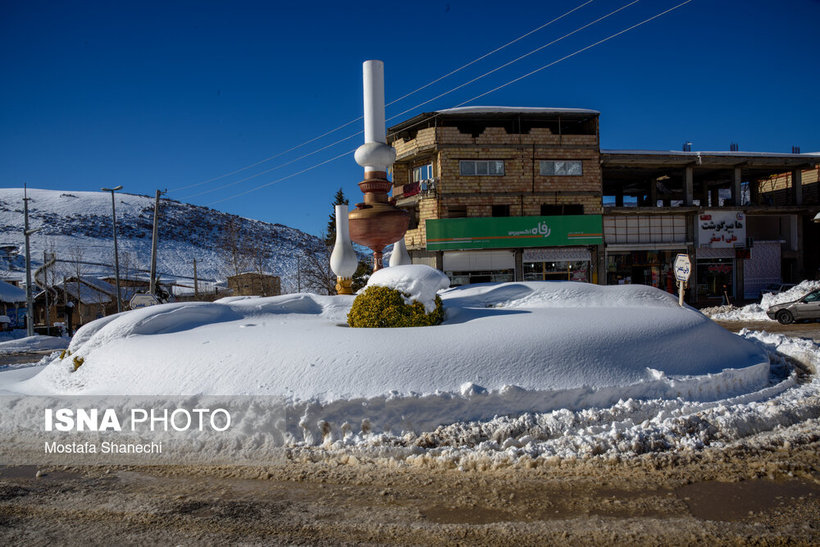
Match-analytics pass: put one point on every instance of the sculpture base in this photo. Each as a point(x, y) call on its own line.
point(344, 285)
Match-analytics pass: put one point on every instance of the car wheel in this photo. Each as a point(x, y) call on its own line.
point(785, 317)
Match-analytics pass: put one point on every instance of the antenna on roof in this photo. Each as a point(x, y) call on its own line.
point(795, 149)
point(687, 146)
point(733, 147)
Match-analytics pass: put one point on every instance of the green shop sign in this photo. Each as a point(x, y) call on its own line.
point(507, 232)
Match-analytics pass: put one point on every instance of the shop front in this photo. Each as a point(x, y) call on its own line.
point(721, 248)
point(497, 249)
point(651, 267)
point(641, 249)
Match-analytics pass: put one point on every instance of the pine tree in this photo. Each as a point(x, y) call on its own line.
point(330, 233)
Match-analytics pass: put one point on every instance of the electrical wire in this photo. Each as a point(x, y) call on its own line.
point(579, 29)
point(574, 53)
point(343, 154)
point(610, 37)
point(335, 129)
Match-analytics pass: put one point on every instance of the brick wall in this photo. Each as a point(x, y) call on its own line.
point(522, 187)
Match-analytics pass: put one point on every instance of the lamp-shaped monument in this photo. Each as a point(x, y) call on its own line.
point(400, 256)
point(376, 223)
point(343, 260)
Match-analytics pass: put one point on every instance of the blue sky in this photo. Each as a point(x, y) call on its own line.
point(171, 94)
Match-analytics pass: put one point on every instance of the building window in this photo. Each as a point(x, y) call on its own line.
point(493, 168)
point(423, 172)
point(501, 210)
point(459, 211)
point(558, 210)
point(571, 168)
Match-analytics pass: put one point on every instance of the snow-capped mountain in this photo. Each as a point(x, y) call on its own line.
point(73, 224)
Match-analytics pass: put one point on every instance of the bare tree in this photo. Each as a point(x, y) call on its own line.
point(314, 271)
point(234, 248)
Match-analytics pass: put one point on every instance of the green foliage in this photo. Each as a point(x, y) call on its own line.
point(383, 307)
point(363, 272)
point(78, 362)
point(338, 199)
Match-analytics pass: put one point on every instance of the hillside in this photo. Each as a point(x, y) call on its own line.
point(79, 224)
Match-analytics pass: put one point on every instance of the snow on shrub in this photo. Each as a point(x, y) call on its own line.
point(400, 296)
point(383, 307)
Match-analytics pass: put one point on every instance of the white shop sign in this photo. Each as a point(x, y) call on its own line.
point(721, 229)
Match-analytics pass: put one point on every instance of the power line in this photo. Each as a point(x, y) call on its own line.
point(275, 167)
point(325, 134)
point(579, 29)
point(482, 94)
point(228, 185)
point(496, 50)
point(575, 53)
point(343, 154)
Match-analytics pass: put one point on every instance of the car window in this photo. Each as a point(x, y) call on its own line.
point(812, 297)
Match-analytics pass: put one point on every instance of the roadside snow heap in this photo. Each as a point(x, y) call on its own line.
point(757, 312)
point(503, 349)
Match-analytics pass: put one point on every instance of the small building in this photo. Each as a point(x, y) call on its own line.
point(12, 305)
point(255, 284)
point(90, 299)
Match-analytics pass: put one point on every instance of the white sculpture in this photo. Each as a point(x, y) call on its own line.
point(343, 259)
point(400, 256)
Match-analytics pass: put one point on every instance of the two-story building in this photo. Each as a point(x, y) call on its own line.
point(502, 194)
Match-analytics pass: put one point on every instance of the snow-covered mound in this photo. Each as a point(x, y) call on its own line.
point(503, 349)
point(757, 312)
point(32, 343)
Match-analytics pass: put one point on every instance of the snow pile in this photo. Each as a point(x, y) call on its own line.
point(504, 349)
point(418, 282)
point(33, 343)
point(757, 312)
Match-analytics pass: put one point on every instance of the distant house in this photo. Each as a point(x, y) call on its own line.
point(255, 284)
point(92, 298)
point(12, 304)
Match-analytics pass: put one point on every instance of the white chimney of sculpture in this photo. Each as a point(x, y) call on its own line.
point(343, 260)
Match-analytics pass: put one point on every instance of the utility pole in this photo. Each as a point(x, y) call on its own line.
point(298, 274)
point(196, 283)
point(27, 233)
point(154, 239)
point(116, 253)
point(45, 278)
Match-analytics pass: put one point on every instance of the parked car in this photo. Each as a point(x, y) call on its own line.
point(807, 307)
point(777, 288)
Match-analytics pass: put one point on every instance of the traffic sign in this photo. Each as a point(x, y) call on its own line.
point(683, 267)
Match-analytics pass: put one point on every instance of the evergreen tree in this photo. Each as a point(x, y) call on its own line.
point(330, 233)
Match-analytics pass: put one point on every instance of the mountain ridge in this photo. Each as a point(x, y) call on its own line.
point(78, 223)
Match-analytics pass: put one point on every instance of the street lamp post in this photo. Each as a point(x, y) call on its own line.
point(116, 253)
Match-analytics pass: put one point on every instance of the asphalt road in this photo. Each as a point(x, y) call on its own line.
point(801, 330)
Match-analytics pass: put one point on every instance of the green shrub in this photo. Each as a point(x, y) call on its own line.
point(383, 307)
point(78, 362)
